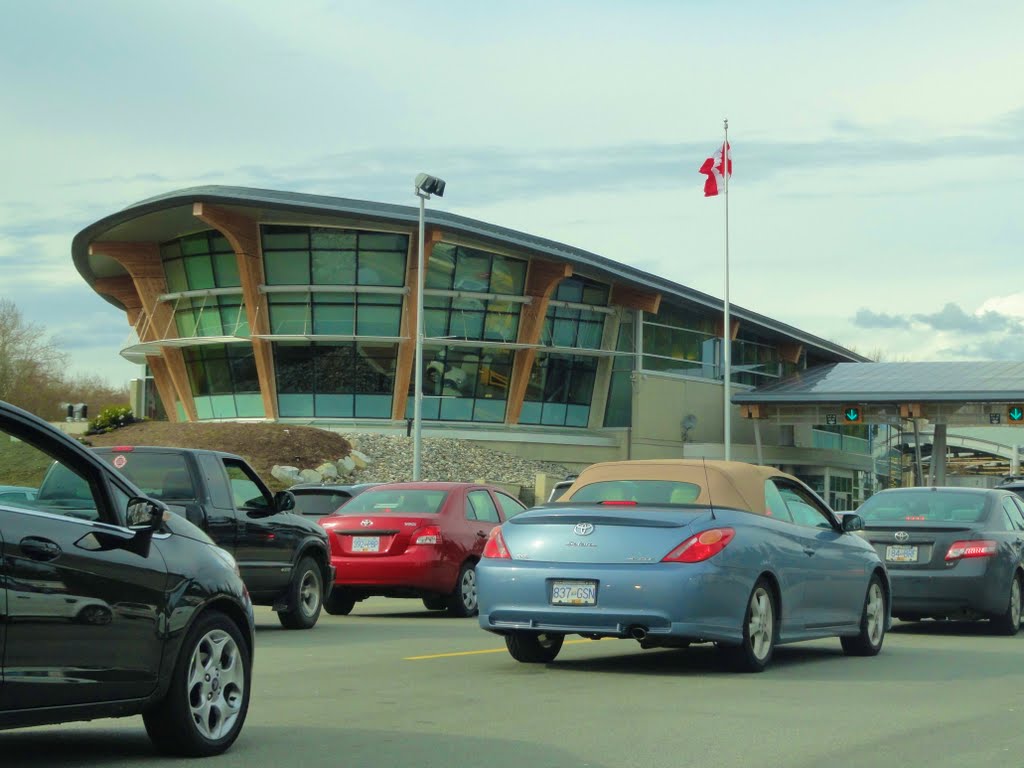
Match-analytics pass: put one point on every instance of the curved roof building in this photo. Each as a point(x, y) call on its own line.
point(257, 304)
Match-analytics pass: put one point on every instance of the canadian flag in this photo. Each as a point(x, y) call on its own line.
point(716, 170)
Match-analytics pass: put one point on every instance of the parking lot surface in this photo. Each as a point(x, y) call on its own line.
point(395, 685)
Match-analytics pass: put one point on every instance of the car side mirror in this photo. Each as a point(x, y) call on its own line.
point(145, 514)
point(852, 522)
point(284, 501)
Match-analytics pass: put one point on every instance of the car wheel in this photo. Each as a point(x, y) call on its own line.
point(463, 601)
point(339, 603)
point(868, 642)
point(759, 632)
point(305, 598)
point(435, 603)
point(208, 698)
point(1008, 623)
point(533, 647)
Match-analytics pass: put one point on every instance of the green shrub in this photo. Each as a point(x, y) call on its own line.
point(109, 419)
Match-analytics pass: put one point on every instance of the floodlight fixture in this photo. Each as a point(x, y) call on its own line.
point(427, 185)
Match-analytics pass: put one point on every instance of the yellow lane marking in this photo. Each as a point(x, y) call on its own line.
point(489, 650)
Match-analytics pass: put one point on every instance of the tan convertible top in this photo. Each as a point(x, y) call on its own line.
point(722, 483)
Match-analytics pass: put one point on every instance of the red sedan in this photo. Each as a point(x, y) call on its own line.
point(414, 540)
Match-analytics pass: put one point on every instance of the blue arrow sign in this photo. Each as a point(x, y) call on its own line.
point(1016, 414)
point(853, 413)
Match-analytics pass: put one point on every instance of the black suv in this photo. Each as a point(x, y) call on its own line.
point(111, 606)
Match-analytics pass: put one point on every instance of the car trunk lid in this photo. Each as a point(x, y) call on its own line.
point(378, 535)
point(913, 545)
point(599, 533)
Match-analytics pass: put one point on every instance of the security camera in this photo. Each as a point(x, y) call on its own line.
point(429, 185)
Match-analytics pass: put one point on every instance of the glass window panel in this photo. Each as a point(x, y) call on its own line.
point(595, 294)
point(219, 243)
point(294, 364)
point(553, 413)
point(196, 372)
point(193, 245)
point(243, 368)
point(176, 279)
point(373, 406)
point(333, 366)
point(441, 268)
point(589, 335)
point(378, 320)
point(233, 320)
point(577, 415)
point(200, 272)
point(381, 268)
point(530, 413)
point(472, 271)
point(277, 237)
point(171, 250)
point(225, 267)
point(249, 406)
point(185, 319)
point(570, 290)
point(204, 409)
point(333, 239)
point(334, 267)
point(508, 276)
point(489, 410)
point(295, 406)
point(334, 319)
point(334, 406)
point(218, 372)
point(289, 319)
point(208, 319)
point(383, 242)
point(466, 325)
point(618, 412)
point(456, 409)
point(224, 406)
point(563, 333)
point(287, 267)
point(435, 322)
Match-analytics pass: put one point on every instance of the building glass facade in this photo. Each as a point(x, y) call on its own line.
point(464, 383)
point(335, 379)
point(224, 381)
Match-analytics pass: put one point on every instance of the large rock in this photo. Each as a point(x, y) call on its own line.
point(328, 471)
point(362, 461)
point(346, 466)
point(311, 476)
point(285, 474)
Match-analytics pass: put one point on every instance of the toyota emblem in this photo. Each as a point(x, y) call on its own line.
point(902, 536)
point(583, 529)
point(366, 523)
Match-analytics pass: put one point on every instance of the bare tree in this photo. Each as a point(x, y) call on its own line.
point(31, 364)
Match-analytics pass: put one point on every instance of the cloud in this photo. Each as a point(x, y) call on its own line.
point(865, 318)
point(952, 318)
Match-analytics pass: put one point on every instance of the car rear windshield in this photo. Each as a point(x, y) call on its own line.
point(414, 502)
point(640, 491)
point(159, 475)
point(924, 506)
point(318, 503)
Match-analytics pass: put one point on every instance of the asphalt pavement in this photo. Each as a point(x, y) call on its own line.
point(394, 685)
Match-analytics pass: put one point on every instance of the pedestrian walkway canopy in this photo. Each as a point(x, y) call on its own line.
point(954, 394)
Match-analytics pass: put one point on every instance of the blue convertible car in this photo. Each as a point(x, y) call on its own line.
point(675, 552)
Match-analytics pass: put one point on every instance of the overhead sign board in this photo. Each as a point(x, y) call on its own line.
point(830, 419)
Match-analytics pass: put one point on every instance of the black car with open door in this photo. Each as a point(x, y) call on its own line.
point(111, 606)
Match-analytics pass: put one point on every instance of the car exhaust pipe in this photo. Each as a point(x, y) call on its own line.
point(637, 632)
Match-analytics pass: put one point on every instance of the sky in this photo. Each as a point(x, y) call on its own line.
point(878, 147)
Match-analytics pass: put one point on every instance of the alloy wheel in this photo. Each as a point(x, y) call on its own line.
point(875, 610)
point(468, 589)
point(216, 684)
point(762, 623)
point(1015, 608)
point(309, 593)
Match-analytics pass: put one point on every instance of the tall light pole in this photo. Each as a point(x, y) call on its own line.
point(426, 185)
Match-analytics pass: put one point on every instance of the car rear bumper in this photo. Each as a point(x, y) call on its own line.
point(692, 601)
point(417, 571)
point(946, 593)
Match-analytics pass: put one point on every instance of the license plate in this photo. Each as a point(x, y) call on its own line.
point(574, 593)
point(901, 553)
point(366, 543)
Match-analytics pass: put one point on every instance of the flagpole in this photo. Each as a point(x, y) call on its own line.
point(726, 326)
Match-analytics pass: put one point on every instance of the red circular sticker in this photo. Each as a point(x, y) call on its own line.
point(120, 461)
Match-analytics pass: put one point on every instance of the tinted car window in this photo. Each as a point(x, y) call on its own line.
point(1013, 514)
point(409, 501)
point(158, 475)
point(509, 506)
point(803, 508)
point(483, 506)
point(318, 503)
point(61, 490)
point(245, 491)
point(640, 491)
point(776, 504)
point(925, 506)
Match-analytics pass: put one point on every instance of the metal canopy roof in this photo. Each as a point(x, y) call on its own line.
point(961, 393)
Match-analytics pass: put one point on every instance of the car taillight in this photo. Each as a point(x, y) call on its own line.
point(700, 546)
point(963, 550)
point(123, 448)
point(495, 547)
point(430, 534)
point(617, 503)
